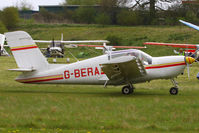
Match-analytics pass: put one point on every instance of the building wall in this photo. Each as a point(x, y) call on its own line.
point(27, 14)
point(56, 9)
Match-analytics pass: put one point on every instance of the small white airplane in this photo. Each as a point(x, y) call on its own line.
point(123, 67)
point(3, 52)
point(56, 48)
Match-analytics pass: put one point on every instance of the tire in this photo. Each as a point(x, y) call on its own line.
point(173, 91)
point(126, 90)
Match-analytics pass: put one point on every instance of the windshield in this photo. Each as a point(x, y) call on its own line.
point(144, 57)
point(147, 59)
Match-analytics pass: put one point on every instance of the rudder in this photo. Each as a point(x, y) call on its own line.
point(26, 53)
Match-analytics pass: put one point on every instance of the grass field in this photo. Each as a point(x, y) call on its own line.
point(94, 109)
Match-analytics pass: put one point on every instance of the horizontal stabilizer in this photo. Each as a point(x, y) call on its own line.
point(22, 70)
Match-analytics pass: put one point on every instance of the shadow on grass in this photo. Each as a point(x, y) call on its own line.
point(104, 93)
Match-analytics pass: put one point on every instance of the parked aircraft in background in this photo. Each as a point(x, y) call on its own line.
point(122, 67)
point(57, 46)
point(3, 52)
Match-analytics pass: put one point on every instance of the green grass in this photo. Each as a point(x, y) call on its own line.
point(83, 109)
point(130, 35)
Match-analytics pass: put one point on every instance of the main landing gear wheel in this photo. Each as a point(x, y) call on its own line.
point(126, 90)
point(174, 91)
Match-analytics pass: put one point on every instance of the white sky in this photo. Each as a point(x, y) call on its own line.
point(34, 3)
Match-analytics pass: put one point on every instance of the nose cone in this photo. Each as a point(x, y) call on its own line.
point(189, 60)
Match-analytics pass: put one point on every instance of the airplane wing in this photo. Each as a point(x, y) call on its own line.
point(124, 72)
point(134, 47)
point(72, 42)
point(191, 46)
point(190, 25)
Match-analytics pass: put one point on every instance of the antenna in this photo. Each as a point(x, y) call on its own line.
point(62, 37)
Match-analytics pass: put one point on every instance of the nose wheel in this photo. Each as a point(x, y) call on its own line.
point(174, 90)
point(126, 90)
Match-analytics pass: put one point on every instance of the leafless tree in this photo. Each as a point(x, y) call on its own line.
point(151, 5)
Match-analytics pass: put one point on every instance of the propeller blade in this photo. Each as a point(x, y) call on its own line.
point(188, 70)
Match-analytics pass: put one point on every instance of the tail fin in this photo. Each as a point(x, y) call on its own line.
point(25, 51)
point(2, 40)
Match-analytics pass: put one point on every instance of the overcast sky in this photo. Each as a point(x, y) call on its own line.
point(34, 3)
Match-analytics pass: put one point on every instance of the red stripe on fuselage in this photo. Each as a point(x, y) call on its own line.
point(42, 80)
point(24, 48)
point(171, 65)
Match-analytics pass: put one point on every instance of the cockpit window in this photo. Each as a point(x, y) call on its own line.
point(145, 58)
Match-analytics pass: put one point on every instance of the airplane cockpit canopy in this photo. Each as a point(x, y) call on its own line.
point(144, 57)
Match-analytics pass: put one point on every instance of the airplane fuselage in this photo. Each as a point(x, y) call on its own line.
point(89, 71)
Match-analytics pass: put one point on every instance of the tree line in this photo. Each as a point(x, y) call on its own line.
point(9, 19)
point(124, 12)
point(109, 12)
point(9, 16)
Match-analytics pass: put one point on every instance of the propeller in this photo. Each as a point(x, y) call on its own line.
point(189, 60)
point(188, 70)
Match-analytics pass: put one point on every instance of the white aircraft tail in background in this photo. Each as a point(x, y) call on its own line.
point(2, 50)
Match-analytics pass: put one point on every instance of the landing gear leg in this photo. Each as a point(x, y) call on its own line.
point(128, 89)
point(174, 90)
